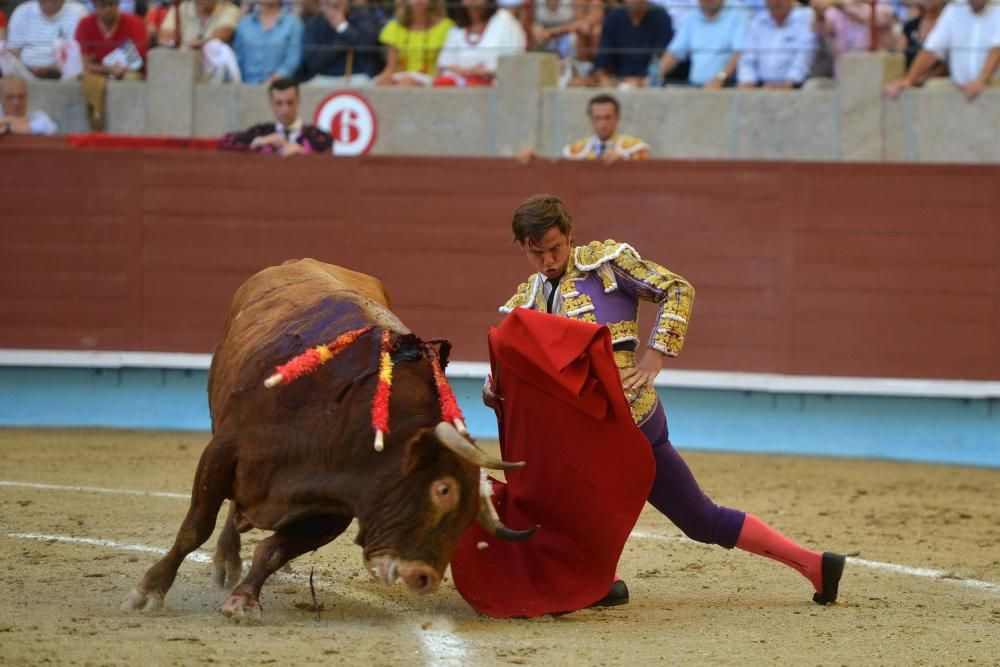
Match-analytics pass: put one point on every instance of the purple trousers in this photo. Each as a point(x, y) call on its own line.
point(676, 493)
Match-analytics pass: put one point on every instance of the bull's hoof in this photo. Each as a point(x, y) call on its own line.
point(227, 575)
point(145, 602)
point(242, 609)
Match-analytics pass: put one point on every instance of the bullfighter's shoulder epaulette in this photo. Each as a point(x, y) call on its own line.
point(589, 257)
point(524, 297)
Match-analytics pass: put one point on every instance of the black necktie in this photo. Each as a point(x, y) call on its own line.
point(554, 284)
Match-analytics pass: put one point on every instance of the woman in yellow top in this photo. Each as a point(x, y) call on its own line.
point(414, 38)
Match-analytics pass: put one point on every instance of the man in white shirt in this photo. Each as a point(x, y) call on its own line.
point(34, 28)
point(967, 37)
point(780, 47)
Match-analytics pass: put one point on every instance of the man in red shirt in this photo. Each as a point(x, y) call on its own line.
point(114, 45)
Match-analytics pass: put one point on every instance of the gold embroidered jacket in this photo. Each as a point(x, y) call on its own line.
point(603, 284)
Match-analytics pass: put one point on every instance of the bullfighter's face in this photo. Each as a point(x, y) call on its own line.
point(604, 119)
point(285, 105)
point(550, 254)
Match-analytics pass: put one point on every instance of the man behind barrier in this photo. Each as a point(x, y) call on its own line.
point(287, 135)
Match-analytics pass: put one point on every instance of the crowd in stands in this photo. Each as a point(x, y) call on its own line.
point(770, 44)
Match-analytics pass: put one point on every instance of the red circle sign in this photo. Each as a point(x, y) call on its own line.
point(350, 120)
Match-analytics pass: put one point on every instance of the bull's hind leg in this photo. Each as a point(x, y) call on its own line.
point(212, 483)
point(227, 566)
point(275, 551)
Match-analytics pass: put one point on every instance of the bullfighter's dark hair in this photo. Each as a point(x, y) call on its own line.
point(603, 98)
point(537, 215)
point(283, 83)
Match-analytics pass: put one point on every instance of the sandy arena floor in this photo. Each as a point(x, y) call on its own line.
point(925, 589)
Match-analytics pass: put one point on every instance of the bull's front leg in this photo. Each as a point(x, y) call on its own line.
point(211, 484)
point(275, 551)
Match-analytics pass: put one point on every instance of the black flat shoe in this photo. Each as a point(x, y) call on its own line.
point(833, 568)
point(617, 594)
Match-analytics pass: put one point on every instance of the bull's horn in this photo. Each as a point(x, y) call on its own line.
point(491, 523)
point(453, 440)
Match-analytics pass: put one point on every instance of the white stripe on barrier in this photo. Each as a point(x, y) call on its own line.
point(774, 383)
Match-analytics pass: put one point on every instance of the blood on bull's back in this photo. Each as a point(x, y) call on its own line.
point(284, 309)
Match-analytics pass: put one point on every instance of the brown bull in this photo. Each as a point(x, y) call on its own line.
point(298, 459)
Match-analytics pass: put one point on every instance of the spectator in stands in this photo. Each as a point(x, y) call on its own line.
point(780, 47)
point(156, 12)
point(481, 35)
point(287, 135)
point(712, 38)
point(113, 44)
point(606, 144)
point(268, 43)
point(206, 25)
point(413, 41)
point(34, 28)
point(201, 21)
point(631, 38)
point(569, 28)
point(3, 26)
point(917, 28)
point(341, 45)
point(381, 11)
point(967, 37)
point(845, 26)
point(14, 116)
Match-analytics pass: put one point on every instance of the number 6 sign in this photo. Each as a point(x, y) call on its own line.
point(350, 120)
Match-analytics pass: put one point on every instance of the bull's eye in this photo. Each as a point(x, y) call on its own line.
point(444, 493)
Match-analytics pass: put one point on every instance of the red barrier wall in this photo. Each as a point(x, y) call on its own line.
point(831, 269)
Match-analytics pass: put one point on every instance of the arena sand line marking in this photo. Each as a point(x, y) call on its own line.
point(94, 489)
point(923, 572)
point(443, 648)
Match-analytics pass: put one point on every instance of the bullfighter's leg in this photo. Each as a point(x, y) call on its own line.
point(212, 483)
point(275, 551)
point(677, 495)
point(227, 566)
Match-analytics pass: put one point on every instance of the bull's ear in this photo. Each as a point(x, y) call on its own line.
point(444, 350)
point(421, 450)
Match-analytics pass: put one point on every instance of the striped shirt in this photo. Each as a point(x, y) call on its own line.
point(35, 33)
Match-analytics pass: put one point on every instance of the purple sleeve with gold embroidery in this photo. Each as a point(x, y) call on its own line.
point(651, 282)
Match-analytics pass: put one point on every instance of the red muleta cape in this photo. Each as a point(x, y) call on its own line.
point(589, 470)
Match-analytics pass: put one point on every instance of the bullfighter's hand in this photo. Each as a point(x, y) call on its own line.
point(291, 148)
point(610, 157)
point(645, 372)
point(275, 139)
point(526, 155)
point(490, 399)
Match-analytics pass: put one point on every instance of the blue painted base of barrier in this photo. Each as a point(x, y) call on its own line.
point(939, 430)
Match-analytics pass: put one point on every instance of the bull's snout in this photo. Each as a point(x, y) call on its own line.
point(420, 578)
